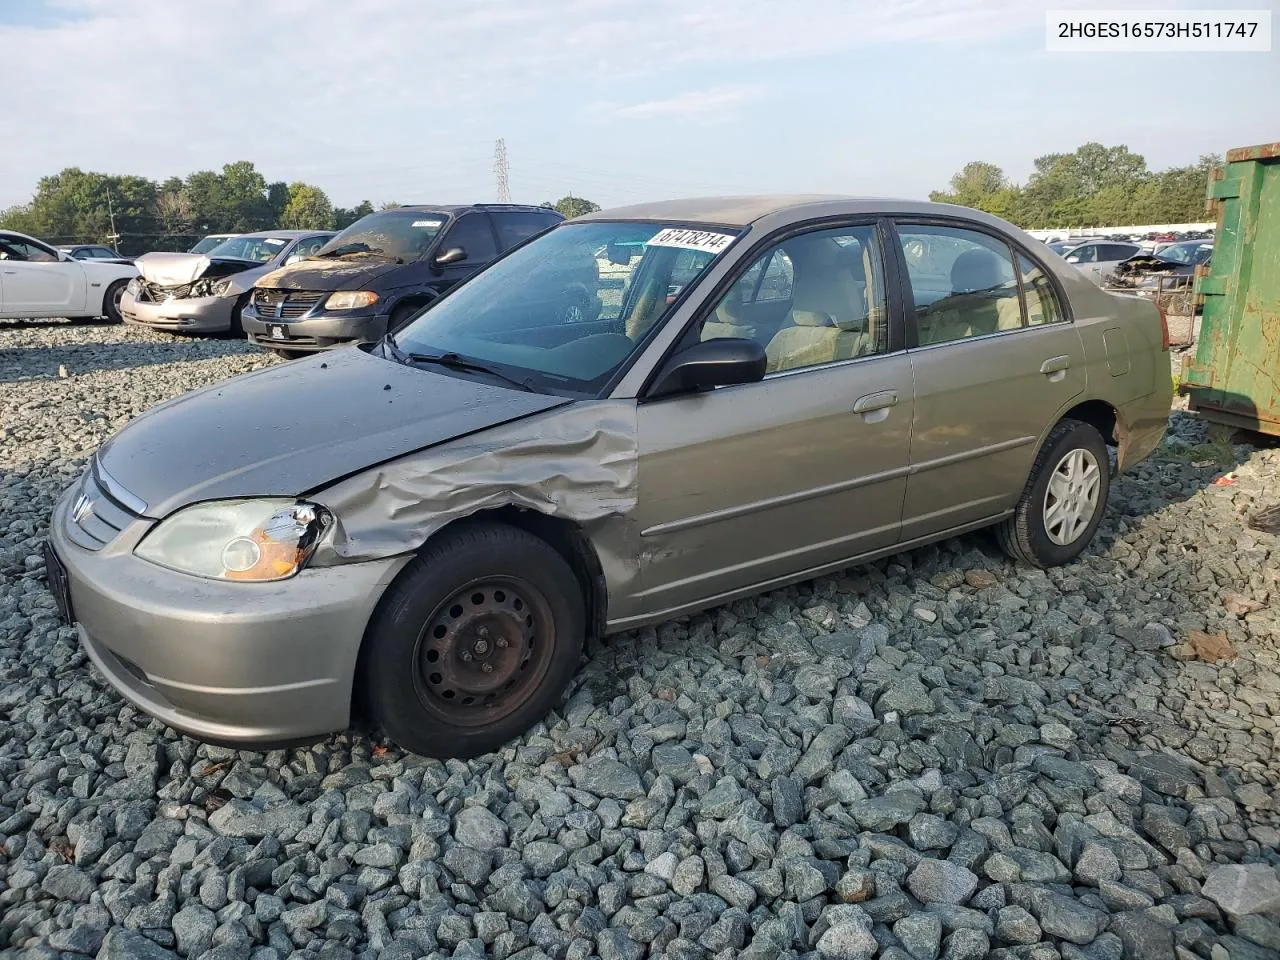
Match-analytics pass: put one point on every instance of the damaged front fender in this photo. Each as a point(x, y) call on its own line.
point(576, 463)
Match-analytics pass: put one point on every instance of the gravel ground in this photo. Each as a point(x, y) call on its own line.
point(936, 755)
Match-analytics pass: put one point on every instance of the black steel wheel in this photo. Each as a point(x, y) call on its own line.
point(478, 656)
point(473, 643)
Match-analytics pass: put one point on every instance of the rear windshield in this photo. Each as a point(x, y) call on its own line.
point(390, 234)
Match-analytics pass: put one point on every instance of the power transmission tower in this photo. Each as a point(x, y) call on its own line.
point(111, 210)
point(500, 170)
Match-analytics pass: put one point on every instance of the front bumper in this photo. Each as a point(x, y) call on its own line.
point(240, 663)
point(317, 331)
point(194, 315)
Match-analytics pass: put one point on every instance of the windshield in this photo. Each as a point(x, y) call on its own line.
point(259, 249)
point(569, 308)
point(1193, 253)
point(208, 243)
point(393, 234)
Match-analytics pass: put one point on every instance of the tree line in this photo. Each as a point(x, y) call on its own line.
point(78, 206)
point(1095, 186)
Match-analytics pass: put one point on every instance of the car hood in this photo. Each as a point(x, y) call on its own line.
point(176, 269)
point(295, 427)
point(327, 274)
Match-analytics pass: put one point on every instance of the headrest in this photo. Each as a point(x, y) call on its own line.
point(975, 270)
point(811, 318)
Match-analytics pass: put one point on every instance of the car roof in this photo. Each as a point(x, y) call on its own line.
point(267, 234)
point(741, 211)
point(456, 208)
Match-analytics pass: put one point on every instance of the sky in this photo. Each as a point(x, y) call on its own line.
point(618, 101)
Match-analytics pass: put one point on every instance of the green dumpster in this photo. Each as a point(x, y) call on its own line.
point(1234, 377)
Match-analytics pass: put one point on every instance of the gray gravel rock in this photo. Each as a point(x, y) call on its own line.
point(920, 934)
point(1242, 889)
point(479, 829)
point(941, 881)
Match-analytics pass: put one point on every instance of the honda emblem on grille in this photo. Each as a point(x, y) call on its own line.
point(82, 508)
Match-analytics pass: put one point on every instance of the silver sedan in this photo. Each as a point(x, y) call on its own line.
point(424, 531)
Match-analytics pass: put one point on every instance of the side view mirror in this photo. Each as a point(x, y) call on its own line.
point(1072, 258)
point(711, 363)
point(63, 255)
point(452, 255)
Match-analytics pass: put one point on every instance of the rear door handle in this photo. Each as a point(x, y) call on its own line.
point(874, 407)
point(1055, 368)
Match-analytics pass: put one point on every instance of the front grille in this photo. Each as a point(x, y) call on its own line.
point(273, 304)
point(96, 517)
point(154, 293)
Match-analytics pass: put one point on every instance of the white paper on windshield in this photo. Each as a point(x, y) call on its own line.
point(688, 239)
point(427, 223)
point(275, 243)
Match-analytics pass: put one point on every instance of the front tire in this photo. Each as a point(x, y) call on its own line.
point(111, 301)
point(1064, 500)
point(284, 354)
point(474, 643)
point(237, 328)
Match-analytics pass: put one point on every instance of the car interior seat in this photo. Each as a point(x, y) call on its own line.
point(981, 301)
point(829, 315)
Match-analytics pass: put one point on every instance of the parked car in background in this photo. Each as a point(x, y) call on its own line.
point(1173, 268)
point(36, 280)
point(205, 244)
point(93, 251)
point(1098, 258)
point(430, 527)
point(381, 270)
point(205, 292)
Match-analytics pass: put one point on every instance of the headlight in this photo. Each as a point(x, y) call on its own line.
point(132, 287)
point(220, 288)
point(209, 288)
point(351, 300)
point(254, 540)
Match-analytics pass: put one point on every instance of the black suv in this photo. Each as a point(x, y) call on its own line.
point(378, 272)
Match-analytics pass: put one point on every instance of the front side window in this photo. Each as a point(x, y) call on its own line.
point(473, 234)
point(565, 311)
point(962, 282)
point(256, 249)
point(812, 299)
point(13, 248)
point(305, 248)
point(1042, 300)
point(1085, 254)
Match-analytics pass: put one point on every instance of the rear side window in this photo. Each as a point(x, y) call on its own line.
point(473, 234)
point(1118, 251)
point(962, 282)
point(1042, 301)
point(515, 228)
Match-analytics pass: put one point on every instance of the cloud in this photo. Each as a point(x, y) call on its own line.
point(373, 98)
point(716, 103)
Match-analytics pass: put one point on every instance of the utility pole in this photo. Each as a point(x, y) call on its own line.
point(111, 211)
point(500, 170)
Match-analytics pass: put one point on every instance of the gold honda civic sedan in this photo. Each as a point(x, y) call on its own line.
point(424, 530)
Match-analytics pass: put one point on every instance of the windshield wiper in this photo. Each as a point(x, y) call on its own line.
point(456, 361)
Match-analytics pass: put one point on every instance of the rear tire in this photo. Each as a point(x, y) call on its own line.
point(474, 642)
point(1064, 499)
point(111, 301)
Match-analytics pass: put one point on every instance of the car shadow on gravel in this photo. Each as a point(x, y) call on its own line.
point(51, 362)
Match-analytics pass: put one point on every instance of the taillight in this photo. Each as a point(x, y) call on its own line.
point(1164, 328)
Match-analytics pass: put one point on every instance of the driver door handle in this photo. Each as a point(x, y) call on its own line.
point(875, 406)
